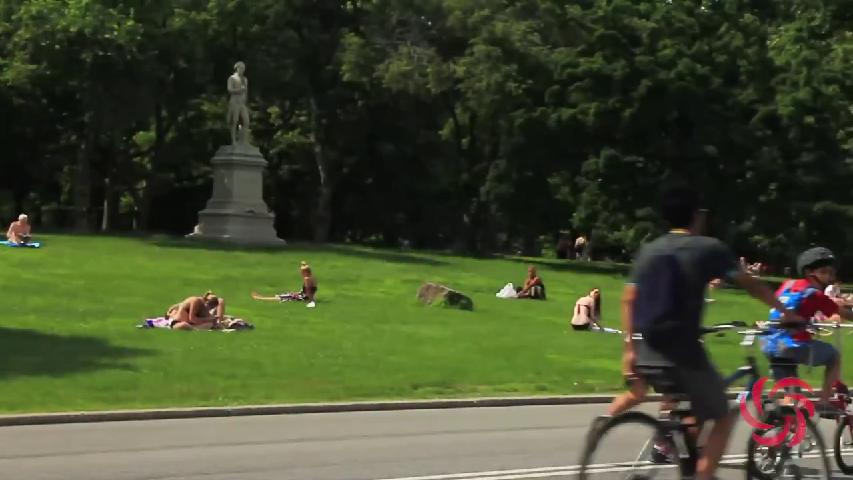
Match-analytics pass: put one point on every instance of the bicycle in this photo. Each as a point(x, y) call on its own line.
point(841, 400)
point(672, 431)
point(844, 420)
point(844, 424)
point(766, 462)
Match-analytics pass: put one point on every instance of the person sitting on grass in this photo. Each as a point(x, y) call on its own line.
point(533, 286)
point(834, 292)
point(197, 313)
point(588, 311)
point(19, 231)
point(307, 294)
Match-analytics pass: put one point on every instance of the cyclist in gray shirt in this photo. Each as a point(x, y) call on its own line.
point(664, 301)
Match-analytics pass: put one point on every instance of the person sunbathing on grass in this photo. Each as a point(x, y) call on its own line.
point(307, 294)
point(198, 313)
point(19, 231)
point(215, 305)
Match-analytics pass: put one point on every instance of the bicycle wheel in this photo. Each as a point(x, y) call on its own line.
point(807, 460)
point(630, 446)
point(843, 444)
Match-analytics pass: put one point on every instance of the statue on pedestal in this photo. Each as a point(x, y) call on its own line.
point(236, 211)
point(238, 112)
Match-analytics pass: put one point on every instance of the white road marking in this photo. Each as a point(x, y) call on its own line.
point(545, 472)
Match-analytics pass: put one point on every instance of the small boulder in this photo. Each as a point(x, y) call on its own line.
point(429, 293)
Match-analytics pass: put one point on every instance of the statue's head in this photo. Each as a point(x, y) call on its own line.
point(240, 67)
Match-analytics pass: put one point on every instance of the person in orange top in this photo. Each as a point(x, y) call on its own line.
point(533, 286)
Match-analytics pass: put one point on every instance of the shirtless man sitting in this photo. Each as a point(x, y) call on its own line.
point(19, 231)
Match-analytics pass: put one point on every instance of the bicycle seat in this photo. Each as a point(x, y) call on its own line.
point(661, 379)
point(782, 367)
point(782, 361)
point(656, 369)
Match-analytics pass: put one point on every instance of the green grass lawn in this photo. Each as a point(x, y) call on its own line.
point(68, 342)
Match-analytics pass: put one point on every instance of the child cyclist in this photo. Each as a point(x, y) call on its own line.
point(817, 267)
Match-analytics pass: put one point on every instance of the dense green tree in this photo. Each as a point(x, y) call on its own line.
point(477, 124)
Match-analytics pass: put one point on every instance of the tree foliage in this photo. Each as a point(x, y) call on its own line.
point(476, 124)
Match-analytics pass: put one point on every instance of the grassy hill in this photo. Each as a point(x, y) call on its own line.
point(68, 342)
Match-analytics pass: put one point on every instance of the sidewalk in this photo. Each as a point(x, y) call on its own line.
point(289, 409)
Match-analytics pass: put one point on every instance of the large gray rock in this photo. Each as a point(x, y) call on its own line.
point(236, 212)
point(430, 293)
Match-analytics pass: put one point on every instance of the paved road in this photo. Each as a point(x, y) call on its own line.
point(464, 444)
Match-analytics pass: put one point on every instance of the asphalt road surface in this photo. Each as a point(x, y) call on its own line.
point(512, 443)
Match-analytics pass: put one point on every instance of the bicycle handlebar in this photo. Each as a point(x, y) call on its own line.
point(833, 325)
point(721, 327)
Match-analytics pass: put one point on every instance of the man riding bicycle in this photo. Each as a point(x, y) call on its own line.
point(806, 296)
point(664, 301)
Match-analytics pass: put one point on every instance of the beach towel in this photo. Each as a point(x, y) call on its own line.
point(159, 322)
point(291, 297)
point(231, 324)
point(21, 245)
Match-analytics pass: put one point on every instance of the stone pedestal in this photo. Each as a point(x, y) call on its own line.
point(236, 211)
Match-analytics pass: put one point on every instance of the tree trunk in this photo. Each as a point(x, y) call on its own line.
point(151, 182)
point(323, 216)
point(323, 213)
point(83, 182)
point(106, 215)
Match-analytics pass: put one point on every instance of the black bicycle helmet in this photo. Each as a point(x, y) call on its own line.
point(815, 257)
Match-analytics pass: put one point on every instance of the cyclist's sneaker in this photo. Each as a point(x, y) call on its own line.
point(660, 454)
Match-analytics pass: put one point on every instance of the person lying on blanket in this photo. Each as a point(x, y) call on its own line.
point(202, 313)
point(19, 231)
point(308, 292)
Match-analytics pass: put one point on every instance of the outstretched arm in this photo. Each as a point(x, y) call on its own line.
point(596, 321)
point(220, 310)
point(759, 290)
point(258, 296)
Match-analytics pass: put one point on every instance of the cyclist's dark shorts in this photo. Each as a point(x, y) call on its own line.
point(699, 381)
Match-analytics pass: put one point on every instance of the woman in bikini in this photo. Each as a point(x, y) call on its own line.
point(587, 312)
